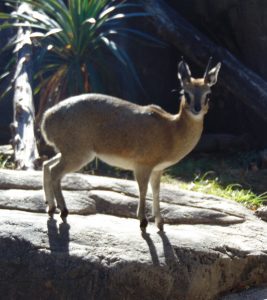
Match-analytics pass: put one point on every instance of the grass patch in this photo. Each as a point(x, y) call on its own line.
point(222, 176)
point(6, 161)
point(212, 186)
point(228, 167)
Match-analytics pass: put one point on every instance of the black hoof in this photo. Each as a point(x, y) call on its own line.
point(51, 211)
point(160, 225)
point(64, 213)
point(143, 225)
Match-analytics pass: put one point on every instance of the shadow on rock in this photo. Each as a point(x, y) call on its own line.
point(169, 253)
point(58, 236)
point(152, 248)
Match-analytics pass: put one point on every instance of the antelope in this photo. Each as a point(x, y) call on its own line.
point(144, 139)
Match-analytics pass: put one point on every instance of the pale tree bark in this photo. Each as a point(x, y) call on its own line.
point(245, 84)
point(24, 142)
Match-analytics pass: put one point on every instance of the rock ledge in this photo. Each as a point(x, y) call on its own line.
point(210, 246)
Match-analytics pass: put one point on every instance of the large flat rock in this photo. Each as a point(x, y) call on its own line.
point(210, 246)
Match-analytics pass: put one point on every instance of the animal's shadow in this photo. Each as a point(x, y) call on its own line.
point(169, 253)
point(58, 236)
point(59, 239)
point(176, 268)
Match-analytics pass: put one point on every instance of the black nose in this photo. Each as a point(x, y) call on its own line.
point(197, 107)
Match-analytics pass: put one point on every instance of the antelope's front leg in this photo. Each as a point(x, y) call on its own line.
point(155, 184)
point(142, 177)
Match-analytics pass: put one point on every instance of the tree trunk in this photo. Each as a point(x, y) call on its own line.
point(24, 142)
point(246, 85)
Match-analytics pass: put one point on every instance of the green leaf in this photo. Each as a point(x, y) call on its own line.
point(126, 16)
point(5, 16)
point(4, 75)
point(72, 37)
point(53, 31)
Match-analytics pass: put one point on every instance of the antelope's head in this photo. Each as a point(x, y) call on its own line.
point(196, 91)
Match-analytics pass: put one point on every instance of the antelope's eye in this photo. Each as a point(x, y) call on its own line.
point(187, 97)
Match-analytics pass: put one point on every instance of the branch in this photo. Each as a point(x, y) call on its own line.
point(246, 85)
point(24, 142)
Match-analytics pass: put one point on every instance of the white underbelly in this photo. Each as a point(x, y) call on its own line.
point(163, 165)
point(117, 161)
point(129, 164)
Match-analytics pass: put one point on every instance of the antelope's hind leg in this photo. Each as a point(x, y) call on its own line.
point(48, 185)
point(68, 162)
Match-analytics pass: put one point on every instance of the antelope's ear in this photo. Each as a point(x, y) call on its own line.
point(211, 77)
point(184, 73)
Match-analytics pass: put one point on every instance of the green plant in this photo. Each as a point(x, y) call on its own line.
point(6, 161)
point(71, 41)
point(232, 191)
point(209, 184)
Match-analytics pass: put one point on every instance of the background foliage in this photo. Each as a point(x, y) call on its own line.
point(71, 42)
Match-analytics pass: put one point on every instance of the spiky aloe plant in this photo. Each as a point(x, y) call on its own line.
point(70, 40)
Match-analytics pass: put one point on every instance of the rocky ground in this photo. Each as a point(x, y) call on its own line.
point(210, 247)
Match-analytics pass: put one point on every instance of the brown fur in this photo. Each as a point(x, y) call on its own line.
point(145, 139)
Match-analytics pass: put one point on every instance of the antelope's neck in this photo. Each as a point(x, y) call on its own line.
point(188, 127)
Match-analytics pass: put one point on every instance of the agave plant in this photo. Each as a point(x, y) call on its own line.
point(70, 41)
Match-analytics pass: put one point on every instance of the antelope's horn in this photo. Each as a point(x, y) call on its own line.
point(207, 68)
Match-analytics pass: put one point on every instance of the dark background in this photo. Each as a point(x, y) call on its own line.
point(238, 25)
